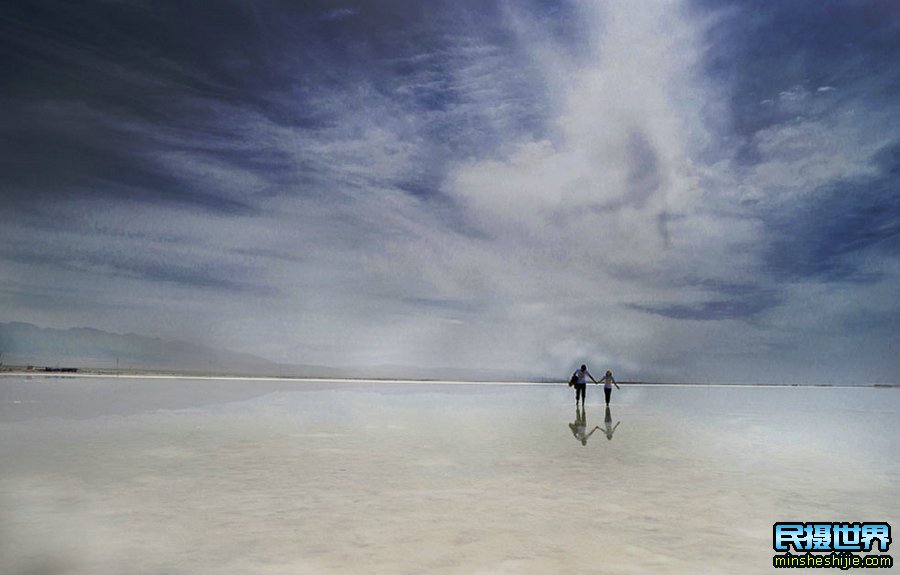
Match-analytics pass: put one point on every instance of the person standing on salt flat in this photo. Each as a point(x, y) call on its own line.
point(608, 381)
point(580, 378)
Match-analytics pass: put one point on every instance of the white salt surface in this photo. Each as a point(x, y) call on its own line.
point(145, 476)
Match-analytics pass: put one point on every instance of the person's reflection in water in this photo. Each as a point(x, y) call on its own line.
point(610, 429)
point(579, 426)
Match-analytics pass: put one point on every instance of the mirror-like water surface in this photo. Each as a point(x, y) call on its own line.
point(224, 476)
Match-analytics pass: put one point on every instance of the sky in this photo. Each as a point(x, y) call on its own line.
point(677, 191)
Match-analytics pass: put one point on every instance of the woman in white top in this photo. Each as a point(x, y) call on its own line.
point(608, 381)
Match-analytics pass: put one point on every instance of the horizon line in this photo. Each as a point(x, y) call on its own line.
point(189, 376)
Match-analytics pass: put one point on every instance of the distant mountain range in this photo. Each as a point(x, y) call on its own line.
point(27, 344)
point(23, 344)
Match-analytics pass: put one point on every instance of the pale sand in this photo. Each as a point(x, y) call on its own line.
point(394, 478)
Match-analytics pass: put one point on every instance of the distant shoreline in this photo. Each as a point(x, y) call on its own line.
point(67, 373)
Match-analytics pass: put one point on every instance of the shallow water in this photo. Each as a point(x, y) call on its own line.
point(222, 476)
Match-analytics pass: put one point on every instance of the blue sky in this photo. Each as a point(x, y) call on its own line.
point(696, 191)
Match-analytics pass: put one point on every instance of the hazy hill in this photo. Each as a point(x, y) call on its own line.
point(27, 344)
point(23, 343)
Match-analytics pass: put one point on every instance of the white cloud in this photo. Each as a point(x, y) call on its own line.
point(615, 189)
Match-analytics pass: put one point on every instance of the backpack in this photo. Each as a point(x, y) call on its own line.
point(574, 379)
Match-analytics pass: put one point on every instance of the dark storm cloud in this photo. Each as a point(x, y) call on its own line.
point(707, 311)
point(91, 87)
point(761, 49)
point(788, 64)
point(95, 91)
point(58, 156)
point(444, 305)
point(146, 267)
point(213, 109)
point(827, 235)
point(728, 302)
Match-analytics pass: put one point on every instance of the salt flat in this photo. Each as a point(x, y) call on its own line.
point(238, 476)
